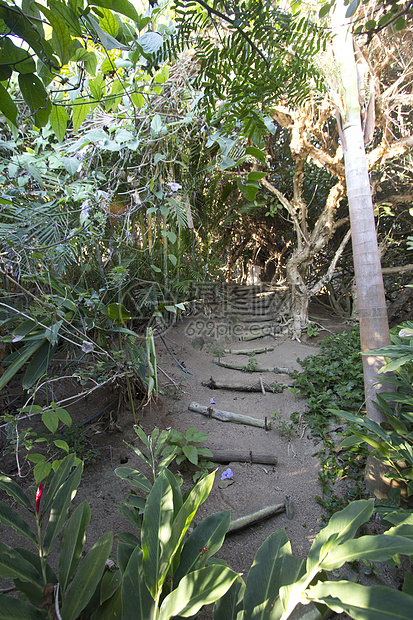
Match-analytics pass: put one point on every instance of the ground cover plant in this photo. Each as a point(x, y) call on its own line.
point(161, 574)
point(333, 378)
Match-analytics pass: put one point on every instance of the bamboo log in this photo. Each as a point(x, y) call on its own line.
point(255, 517)
point(248, 351)
point(231, 456)
point(278, 370)
point(228, 416)
point(217, 385)
point(241, 367)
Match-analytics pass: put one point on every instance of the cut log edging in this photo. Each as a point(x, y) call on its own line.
point(229, 416)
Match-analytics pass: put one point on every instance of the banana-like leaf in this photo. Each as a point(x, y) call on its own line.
point(137, 602)
point(135, 478)
point(72, 544)
point(204, 542)
point(9, 517)
point(16, 609)
point(111, 608)
point(26, 352)
point(34, 590)
point(87, 578)
point(342, 526)
point(13, 489)
point(199, 588)
point(58, 479)
point(363, 602)
point(377, 548)
point(38, 364)
point(14, 566)
point(231, 605)
point(156, 534)
point(60, 508)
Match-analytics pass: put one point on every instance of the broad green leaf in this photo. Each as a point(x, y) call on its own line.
point(111, 581)
point(191, 454)
point(23, 329)
point(119, 6)
point(87, 578)
point(16, 609)
point(265, 577)
point(13, 489)
point(51, 420)
point(58, 121)
point(109, 23)
point(257, 153)
point(137, 99)
point(60, 507)
point(199, 588)
point(108, 42)
point(324, 10)
point(59, 443)
point(156, 125)
point(135, 478)
point(374, 548)
point(36, 97)
point(9, 517)
point(38, 364)
point(68, 14)
point(206, 539)
point(72, 545)
point(41, 471)
point(58, 479)
point(14, 566)
point(62, 41)
point(352, 8)
point(19, 58)
point(63, 415)
point(230, 606)
point(118, 313)
point(256, 175)
point(156, 534)
point(7, 105)
point(80, 111)
point(24, 354)
point(137, 603)
point(363, 602)
point(111, 608)
point(192, 434)
point(343, 526)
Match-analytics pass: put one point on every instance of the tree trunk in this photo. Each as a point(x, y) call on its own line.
point(374, 327)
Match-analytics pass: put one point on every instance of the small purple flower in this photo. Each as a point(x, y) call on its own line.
point(174, 187)
point(212, 401)
point(227, 474)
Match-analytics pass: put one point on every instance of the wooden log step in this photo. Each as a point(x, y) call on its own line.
point(248, 351)
point(218, 385)
point(228, 456)
point(228, 416)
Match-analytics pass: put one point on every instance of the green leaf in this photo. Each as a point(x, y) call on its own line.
point(62, 41)
point(119, 6)
point(256, 175)
point(363, 602)
point(156, 533)
point(72, 544)
point(9, 517)
point(36, 97)
point(24, 354)
point(87, 578)
point(324, 10)
point(60, 507)
point(137, 603)
point(230, 606)
point(135, 478)
point(208, 537)
point(7, 105)
point(109, 23)
point(400, 23)
point(58, 121)
point(150, 42)
point(118, 313)
point(378, 548)
point(38, 365)
point(63, 415)
point(80, 111)
point(58, 479)
point(352, 8)
point(137, 99)
point(41, 471)
point(16, 609)
point(59, 443)
point(192, 434)
point(13, 489)
point(20, 59)
point(14, 566)
point(199, 588)
point(257, 153)
point(111, 581)
point(51, 420)
point(191, 454)
point(342, 526)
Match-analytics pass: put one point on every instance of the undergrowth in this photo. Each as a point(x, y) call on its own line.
point(334, 379)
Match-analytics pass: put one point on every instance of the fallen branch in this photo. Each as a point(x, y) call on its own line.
point(248, 351)
point(228, 416)
point(255, 517)
point(230, 456)
point(217, 385)
point(272, 331)
point(251, 368)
